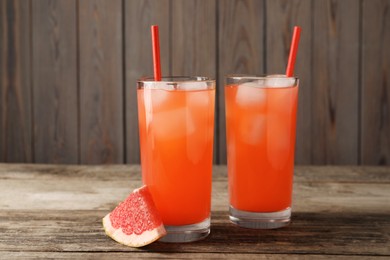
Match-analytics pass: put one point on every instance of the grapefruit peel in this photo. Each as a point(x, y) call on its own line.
point(135, 222)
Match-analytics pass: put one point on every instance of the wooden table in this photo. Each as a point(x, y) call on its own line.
point(55, 211)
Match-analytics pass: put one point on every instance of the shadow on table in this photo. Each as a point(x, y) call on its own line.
point(324, 233)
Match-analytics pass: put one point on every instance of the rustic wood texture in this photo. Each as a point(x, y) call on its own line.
point(101, 81)
point(139, 16)
point(194, 38)
point(68, 72)
point(56, 210)
point(54, 71)
point(281, 19)
point(375, 122)
point(194, 41)
point(335, 72)
point(15, 81)
point(146, 255)
point(240, 51)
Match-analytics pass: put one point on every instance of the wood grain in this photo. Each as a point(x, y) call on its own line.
point(15, 81)
point(375, 93)
point(54, 68)
point(240, 51)
point(139, 16)
point(282, 16)
point(194, 41)
point(335, 82)
point(194, 38)
point(322, 189)
point(68, 72)
point(101, 81)
point(48, 210)
point(310, 233)
point(143, 254)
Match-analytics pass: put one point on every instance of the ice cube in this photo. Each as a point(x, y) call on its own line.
point(252, 128)
point(249, 94)
point(154, 98)
point(153, 101)
point(279, 140)
point(199, 143)
point(279, 81)
point(193, 85)
point(198, 99)
point(172, 124)
point(159, 97)
point(282, 102)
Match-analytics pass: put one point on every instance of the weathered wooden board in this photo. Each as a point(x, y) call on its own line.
point(343, 174)
point(337, 211)
point(139, 16)
point(375, 93)
point(143, 254)
point(335, 77)
point(68, 72)
point(331, 189)
point(54, 72)
point(194, 38)
point(240, 51)
point(310, 233)
point(282, 16)
point(101, 81)
point(15, 81)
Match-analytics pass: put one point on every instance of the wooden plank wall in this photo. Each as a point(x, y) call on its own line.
point(101, 83)
point(16, 141)
point(54, 81)
point(68, 72)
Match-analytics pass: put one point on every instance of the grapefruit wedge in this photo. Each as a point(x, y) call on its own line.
point(135, 222)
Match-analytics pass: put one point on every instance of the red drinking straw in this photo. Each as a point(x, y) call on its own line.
point(156, 53)
point(293, 51)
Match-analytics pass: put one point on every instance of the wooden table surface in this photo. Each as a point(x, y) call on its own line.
point(55, 211)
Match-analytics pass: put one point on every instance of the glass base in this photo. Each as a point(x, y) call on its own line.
point(187, 233)
point(257, 220)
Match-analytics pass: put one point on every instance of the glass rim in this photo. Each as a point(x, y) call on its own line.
point(176, 79)
point(258, 77)
point(266, 81)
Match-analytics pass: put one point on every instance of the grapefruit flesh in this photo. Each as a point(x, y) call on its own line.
point(135, 222)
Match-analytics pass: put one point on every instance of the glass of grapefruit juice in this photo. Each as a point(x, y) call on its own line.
point(176, 128)
point(260, 134)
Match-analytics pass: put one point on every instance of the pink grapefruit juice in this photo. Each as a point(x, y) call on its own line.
point(261, 126)
point(176, 138)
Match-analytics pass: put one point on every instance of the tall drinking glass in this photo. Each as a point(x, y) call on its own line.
point(176, 127)
point(260, 132)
